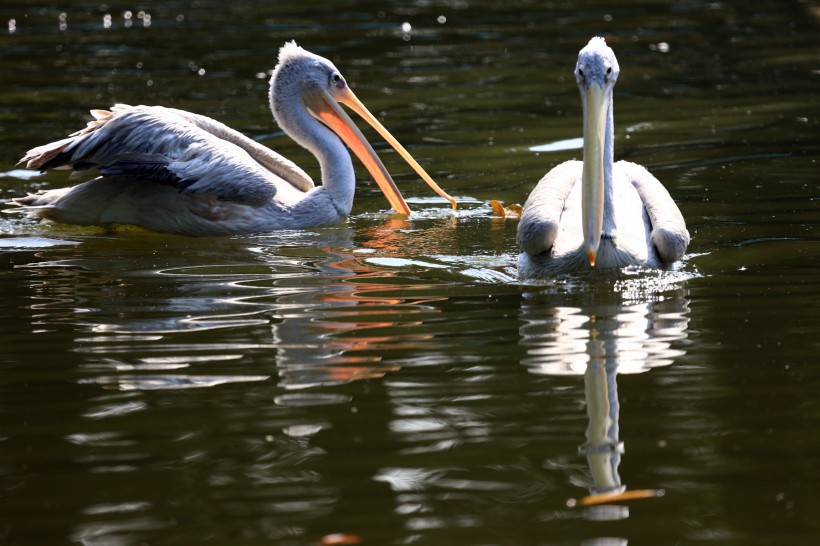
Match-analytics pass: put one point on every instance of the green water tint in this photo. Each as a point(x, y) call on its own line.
point(391, 379)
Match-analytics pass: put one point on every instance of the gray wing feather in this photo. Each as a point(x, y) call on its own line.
point(538, 227)
point(277, 164)
point(669, 233)
point(151, 166)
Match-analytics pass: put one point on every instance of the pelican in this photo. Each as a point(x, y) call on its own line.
point(172, 171)
point(598, 213)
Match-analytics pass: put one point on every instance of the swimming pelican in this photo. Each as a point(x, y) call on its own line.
point(617, 215)
point(173, 171)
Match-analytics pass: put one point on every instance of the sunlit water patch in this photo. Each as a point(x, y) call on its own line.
point(27, 243)
point(559, 145)
point(21, 174)
point(403, 263)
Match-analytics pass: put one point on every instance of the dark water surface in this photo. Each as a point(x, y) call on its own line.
point(389, 378)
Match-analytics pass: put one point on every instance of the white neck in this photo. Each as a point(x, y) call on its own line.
point(609, 223)
point(338, 176)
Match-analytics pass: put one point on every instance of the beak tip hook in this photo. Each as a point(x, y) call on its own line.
point(591, 254)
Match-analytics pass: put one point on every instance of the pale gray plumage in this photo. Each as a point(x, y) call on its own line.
point(638, 222)
point(173, 171)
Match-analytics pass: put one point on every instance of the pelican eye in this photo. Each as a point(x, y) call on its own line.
point(337, 80)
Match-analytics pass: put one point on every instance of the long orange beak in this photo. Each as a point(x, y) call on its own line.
point(347, 97)
point(592, 174)
point(324, 107)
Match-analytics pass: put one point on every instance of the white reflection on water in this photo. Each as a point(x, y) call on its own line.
point(599, 341)
point(559, 145)
point(584, 328)
point(635, 338)
point(28, 243)
point(117, 507)
point(176, 381)
point(118, 531)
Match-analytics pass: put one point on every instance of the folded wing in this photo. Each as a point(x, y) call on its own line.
point(168, 146)
point(669, 233)
point(541, 217)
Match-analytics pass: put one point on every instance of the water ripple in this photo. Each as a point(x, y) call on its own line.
point(159, 382)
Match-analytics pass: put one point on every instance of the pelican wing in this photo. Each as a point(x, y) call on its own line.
point(538, 227)
point(167, 146)
point(669, 233)
point(276, 163)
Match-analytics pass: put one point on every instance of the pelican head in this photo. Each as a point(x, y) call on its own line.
point(301, 76)
point(596, 73)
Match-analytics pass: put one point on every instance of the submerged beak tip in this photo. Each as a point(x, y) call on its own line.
point(591, 254)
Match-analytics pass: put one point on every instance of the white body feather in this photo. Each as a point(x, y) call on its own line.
point(650, 232)
point(599, 214)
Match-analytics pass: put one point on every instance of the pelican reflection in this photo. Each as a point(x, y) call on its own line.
point(600, 342)
point(337, 331)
